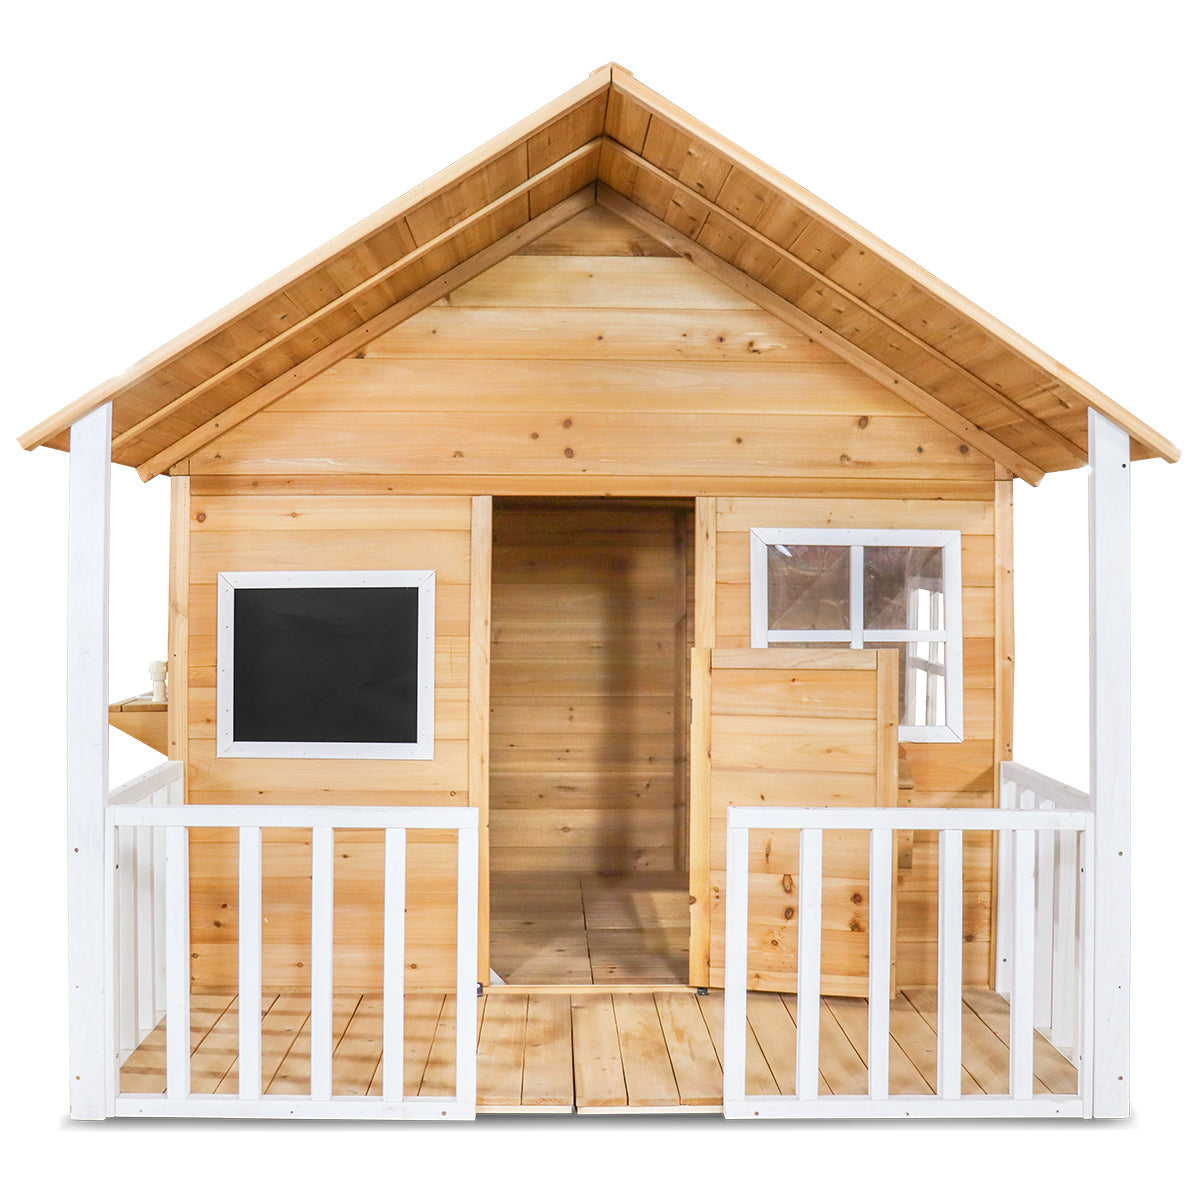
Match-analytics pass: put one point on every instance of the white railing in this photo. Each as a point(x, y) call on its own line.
point(135, 954)
point(1021, 829)
point(160, 904)
point(1062, 897)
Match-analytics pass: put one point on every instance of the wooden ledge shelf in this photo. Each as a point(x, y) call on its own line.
point(141, 718)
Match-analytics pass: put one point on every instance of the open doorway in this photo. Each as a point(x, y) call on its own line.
point(591, 636)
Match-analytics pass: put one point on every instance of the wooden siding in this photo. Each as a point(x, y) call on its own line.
point(949, 774)
point(595, 360)
point(251, 532)
point(566, 352)
point(587, 608)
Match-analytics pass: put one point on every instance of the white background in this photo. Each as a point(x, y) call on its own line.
point(163, 158)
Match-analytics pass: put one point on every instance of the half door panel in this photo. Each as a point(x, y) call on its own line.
point(792, 728)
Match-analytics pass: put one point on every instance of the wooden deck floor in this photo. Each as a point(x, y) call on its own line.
point(596, 1050)
point(590, 929)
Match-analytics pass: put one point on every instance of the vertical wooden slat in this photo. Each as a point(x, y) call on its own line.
point(249, 962)
point(1087, 925)
point(737, 907)
point(468, 914)
point(1003, 891)
point(1110, 574)
point(144, 862)
point(1064, 993)
point(125, 914)
point(808, 966)
point(879, 975)
point(177, 620)
point(179, 964)
point(700, 820)
point(92, 1059)
point(950, 963)
point(1043, 939)
point(706, 572)
point(321, 953)
point(1020, 1010)
point(478, 735)
point(394, 888)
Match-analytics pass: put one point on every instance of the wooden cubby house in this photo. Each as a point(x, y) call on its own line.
point(591, 611)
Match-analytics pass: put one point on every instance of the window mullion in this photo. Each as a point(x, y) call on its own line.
point(856, 597)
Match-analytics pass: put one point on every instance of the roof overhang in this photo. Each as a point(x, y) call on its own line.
point(612, 141)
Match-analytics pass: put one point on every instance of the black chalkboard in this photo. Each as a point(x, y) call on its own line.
point(325, 664)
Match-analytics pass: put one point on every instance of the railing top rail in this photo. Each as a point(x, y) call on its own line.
point(294, 816)
point(1060, 794)
point(903, 818)
point(146, 784)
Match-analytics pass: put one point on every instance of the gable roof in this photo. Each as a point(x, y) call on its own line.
point(612, 141)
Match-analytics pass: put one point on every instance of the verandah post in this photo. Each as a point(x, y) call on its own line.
point(87, 760)
point(1109, 545)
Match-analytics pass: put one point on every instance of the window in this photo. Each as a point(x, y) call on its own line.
point(898, 588)
point(325, 664)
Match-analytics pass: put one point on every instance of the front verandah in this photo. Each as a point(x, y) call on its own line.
point(549, 1050)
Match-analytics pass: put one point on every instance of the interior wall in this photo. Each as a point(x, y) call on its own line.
point(590, 609)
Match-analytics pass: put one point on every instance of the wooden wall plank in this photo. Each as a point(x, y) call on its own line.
point(574, 442)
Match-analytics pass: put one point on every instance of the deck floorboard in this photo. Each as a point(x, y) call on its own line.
point(595, 1050)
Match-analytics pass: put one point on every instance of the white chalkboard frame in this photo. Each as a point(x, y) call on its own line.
point(230, 582)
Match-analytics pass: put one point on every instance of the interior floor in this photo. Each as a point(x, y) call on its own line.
point(565, 928)
point(597, 1050)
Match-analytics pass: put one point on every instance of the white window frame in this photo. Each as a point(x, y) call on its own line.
point(228, 583)
point(950, 540)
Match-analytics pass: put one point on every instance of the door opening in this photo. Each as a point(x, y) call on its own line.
point(591, 635)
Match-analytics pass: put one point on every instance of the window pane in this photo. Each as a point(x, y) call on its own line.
point(922, 681)
point(808, 587)
point(903, 587)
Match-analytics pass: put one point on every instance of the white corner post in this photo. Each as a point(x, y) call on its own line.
point(1111, 685)
point(87, 761)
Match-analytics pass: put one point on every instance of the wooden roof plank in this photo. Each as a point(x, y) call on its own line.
point(826, 281)
point(340, 301)
point(364, 230)
point(624, 84)
point(409, 306)
point(798, 319)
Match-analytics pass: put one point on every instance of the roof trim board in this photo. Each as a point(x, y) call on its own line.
point(687, 186)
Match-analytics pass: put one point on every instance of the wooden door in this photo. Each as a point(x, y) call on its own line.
point(804, 728)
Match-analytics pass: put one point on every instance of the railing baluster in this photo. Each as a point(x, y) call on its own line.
point(1044, 911)
point(1063, 961)
point(394, 889)
point(808, 966)
point(249, 962)
point(879, 964)
point(468, 944)
point(1020, 1012)
point(179, 964)
point(321, 953)
point(737, 906)
point(127, 929)
point(144, 857)
point(950, 935)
